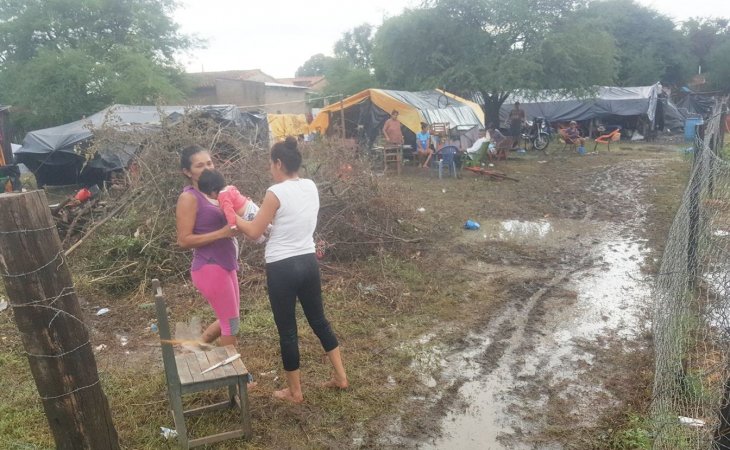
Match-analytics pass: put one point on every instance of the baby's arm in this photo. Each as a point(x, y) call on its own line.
point(226, 201)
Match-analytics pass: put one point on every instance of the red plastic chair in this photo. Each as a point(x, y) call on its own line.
point(613, 136)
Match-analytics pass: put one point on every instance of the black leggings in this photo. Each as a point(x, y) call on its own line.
point(288, 279)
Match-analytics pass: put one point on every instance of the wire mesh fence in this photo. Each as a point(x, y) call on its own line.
point(692, 306)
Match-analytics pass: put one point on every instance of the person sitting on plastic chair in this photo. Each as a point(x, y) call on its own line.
point(448, 157)
point(499, 144)
point(572, 137)
point(423, 146)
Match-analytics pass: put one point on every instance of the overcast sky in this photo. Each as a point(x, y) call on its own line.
point(279, 36)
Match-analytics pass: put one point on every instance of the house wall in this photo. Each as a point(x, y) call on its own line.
point(203, 96)
point(294, 98)
point(247, 93)
point(240, 92)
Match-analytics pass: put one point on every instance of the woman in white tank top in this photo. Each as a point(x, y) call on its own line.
point(292, 271)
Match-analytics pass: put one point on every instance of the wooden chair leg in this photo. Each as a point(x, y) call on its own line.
point(245, 413)
point(232, 392)
point(178, 416)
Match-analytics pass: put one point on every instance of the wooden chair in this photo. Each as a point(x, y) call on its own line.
point(440, 129)
point(183, 373)
point(392, 154)
point(613, 136)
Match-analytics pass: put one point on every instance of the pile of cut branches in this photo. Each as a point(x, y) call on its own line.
point(357, 215)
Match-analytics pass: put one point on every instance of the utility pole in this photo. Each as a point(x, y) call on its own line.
point(50, 321)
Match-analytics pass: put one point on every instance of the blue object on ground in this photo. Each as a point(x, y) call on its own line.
point(690, 127)
point(471, 225)
point(581, 150)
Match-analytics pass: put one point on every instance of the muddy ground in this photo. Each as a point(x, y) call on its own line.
point(563, 356)
point(531, 332)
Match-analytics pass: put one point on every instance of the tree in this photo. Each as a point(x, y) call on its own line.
point(493, 47)
point(356, 46)
point(344, 79)
point(62, 59)
point(650, 47)
point(316, 65)
point(718, 74)
point(705, 35)
point(709, 40)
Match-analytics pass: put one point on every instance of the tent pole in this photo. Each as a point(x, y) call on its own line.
point(342, 116)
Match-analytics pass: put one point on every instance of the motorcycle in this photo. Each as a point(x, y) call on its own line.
point(538, 133)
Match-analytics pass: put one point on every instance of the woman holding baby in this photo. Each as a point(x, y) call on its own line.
point(290, 207)
point(202, 226)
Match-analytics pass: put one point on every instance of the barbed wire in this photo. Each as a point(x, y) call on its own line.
point(23, 274)
point(48, 303)
point(27, 231)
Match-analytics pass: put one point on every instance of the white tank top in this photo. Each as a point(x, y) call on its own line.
point(293, 227)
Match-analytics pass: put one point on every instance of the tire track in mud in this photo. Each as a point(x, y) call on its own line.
point(508, 337)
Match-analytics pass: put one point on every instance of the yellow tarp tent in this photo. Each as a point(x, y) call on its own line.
point(413, 108)
point(283, 125)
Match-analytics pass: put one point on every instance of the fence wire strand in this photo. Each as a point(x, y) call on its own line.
point(691, 325)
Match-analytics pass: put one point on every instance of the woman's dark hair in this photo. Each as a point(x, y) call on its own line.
point(211, 181)
point(287, 152)
point(187, 153)
point(424, 124)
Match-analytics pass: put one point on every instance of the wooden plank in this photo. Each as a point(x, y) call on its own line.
point(227, 369)
point(216, 438)
point(204, 361)
point(183, 370)
point(196, 366)
point(238, 364)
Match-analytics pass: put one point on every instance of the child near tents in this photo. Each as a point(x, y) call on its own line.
point(233, 204)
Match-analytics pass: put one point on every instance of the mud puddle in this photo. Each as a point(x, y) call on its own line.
point(505, 375)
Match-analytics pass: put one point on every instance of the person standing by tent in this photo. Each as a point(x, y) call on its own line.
point(291, 206)
point(392, 131)
point(516, 119)
point(201, 226)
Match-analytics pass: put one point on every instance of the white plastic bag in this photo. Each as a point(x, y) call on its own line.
point(249, 212)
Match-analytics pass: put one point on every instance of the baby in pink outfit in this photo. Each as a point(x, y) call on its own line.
point(233, 204)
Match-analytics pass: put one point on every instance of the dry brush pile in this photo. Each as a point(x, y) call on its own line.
point(358, 216)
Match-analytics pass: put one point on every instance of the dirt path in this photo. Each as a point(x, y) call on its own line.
point(572, 247)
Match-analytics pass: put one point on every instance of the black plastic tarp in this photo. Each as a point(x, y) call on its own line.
point(55, 154)
point(607, 101)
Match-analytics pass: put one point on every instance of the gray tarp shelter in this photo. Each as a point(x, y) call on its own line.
point(608, 101)
point(54, 154)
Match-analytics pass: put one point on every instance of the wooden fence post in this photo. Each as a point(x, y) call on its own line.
point(47, 313)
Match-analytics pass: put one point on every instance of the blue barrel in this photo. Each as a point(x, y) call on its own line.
point(690, 127)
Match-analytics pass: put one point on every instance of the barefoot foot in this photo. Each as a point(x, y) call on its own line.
point(334, 384)
point(286, 395)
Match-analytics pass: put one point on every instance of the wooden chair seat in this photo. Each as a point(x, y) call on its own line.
point(184, 376)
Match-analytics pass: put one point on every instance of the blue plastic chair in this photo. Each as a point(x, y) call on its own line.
point(446, 157)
